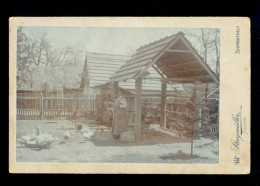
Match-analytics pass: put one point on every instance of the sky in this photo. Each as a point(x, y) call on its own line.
point(110, 40)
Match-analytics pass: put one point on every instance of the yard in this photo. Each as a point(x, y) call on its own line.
point(157, 147)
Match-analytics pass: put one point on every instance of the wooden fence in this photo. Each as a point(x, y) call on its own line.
point(175, 107)
point(37, 106)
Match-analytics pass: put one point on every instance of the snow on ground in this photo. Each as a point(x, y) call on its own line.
point(77, 149)
point(157, 128)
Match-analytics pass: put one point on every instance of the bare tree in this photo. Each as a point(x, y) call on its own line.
point(208, 41)
point(45, 63)
point(205, 40)
point(217, 46)
point(36, 47)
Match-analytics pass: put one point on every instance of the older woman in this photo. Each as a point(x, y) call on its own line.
point(121, 119)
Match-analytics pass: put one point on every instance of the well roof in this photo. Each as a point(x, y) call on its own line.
point(172, 56)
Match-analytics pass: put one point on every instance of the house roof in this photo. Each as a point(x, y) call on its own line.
point(98, 67)
point(172, 56)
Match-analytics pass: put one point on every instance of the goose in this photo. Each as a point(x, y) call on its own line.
point(87, 134)
point(66, 135)
point(27, 138)
point(43, 139)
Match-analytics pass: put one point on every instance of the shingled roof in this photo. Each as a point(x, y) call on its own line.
point(172, 56)
point(98, 68)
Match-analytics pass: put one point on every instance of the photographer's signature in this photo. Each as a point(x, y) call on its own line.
point(240, 126)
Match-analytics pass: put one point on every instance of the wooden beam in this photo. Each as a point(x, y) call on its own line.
point(179, 51)
point(159, 95)
point(146, 73)
point(163, 105)
point(189, 70)
point(206, 91)
point(182, 79)
point(181, 64)
point(213, 92)
point(138, 112)
point(156, 69)
point(115, 95)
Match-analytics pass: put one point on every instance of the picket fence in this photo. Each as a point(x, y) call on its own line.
point(37, 106)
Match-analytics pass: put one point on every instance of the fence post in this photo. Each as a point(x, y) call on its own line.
point(41, 106)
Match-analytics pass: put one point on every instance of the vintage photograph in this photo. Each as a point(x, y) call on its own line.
point(117, 94)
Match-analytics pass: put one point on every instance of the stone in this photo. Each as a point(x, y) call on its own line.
point(127, 137)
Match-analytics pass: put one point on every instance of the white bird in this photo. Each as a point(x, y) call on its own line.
point(66, 135)
point(27, 138)
point(88, 134)
point(23, 139)
point(44, 140)
point(33, 135)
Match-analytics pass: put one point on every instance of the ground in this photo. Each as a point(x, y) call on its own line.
point(157, 147)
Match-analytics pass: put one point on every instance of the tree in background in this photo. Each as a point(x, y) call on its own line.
point(22, 53)
point(208, 43)
point(40, 62)
point(217, 49)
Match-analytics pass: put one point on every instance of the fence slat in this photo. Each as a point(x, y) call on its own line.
point(29, 105)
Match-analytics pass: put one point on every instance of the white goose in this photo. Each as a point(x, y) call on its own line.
point(27, 138)
point(44, 139)
point(87, 134)
point(66, 135)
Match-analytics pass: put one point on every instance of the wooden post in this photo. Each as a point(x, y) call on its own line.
point(138, 105)
point(41, 106)
point(163, 105)
point(115, 95)
point(194, 125)
point(206, 92)
point(197, 109)
point(192, 137)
